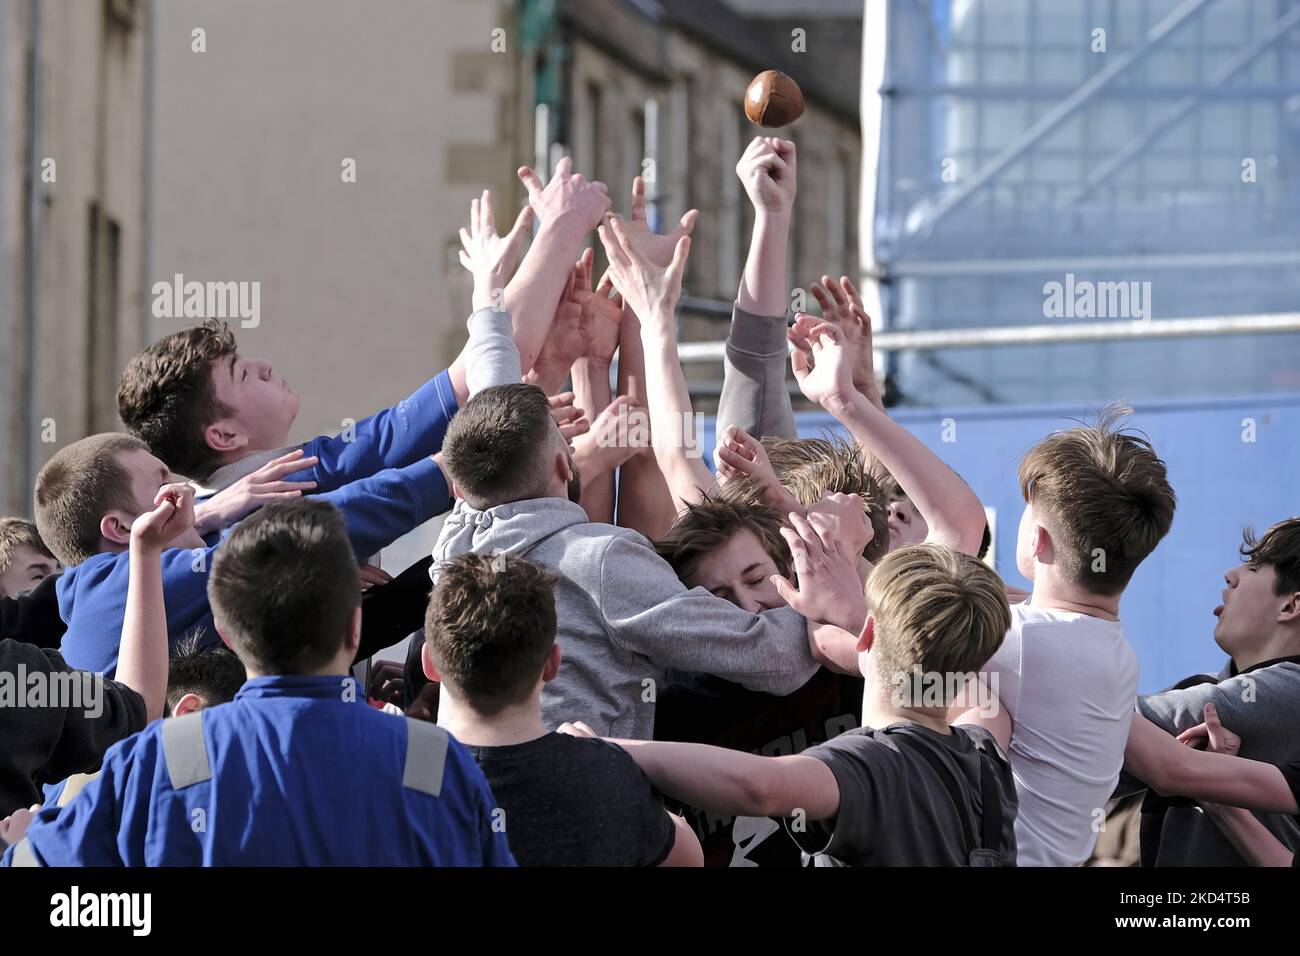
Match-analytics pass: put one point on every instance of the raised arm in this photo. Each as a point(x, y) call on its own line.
point(952, 510)
point(652, 292)
point(601, 450)
point(754, 396)
point(644, 502)
point(143, 654)
point(569, 207)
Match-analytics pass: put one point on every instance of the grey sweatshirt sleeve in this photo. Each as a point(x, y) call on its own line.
point(1262, 703)
point(649, 611)
point(753, 376)
point(491, 357)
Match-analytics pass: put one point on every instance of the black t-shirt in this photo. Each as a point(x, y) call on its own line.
point(894, 808)
point(33, 618)
point(710, 710)
point(576, 801)
point(55, 721)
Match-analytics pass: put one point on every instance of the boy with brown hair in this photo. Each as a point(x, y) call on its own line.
point(25, 561)
point(1097, 502)
point(490, 641)
point(906, 788)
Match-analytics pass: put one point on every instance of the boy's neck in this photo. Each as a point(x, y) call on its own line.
point(880, 713)
point(1050, 594)
point(517, 724)
point(1275, 648)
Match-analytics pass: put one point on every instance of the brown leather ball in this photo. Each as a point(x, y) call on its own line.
point(773, 99)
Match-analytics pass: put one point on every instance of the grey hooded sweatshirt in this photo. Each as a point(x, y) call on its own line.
point(623, 617)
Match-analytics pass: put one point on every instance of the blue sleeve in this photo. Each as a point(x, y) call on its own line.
point(383, 507)
point(94, 599)
point(393, 438)
point(95, 825)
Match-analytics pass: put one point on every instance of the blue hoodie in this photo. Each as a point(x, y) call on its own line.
point(392, 438)
point(92, 595)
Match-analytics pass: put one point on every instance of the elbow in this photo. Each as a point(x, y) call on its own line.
point(760, 796)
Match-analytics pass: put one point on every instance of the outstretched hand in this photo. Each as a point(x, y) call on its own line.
point(650, 290)
point(658, 249)
point(739, 455)
point(260, 487)
point(819, 360)
point(491, 258)
point(602, 316)
point(569, 200)
point(841, 305)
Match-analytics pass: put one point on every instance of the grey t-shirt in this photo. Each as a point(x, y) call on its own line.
point(1262, 705)
point(576, 801)
point(894, 808)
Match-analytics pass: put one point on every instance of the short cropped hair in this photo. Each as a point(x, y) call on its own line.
point(490, 626)
point(18, 533)
point(1107, 496)
point(1280, 549)
point(812, 468)
point(284, 587)
point(213, 673)
point(935, 609)
point(703, 528)
point(77, 487)
point(167, 396)
point(496, 447)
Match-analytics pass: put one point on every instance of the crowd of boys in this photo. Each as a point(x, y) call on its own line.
point(616, 655)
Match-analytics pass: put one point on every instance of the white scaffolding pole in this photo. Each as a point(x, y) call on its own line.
point(1262, 324)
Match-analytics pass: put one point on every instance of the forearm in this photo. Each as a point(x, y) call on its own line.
point(834, 648)
point(591, 393)
point(143, 654)
point(711, 778)
point(535, 290)
point(1249, 837)
point(644, 501)
point(754, 395)
point(1170, 767)
point(763, 286)
point(952, 510)
point(672, 422)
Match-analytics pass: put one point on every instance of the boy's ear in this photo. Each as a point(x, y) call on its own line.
point(222, 634)
point(552, 666)
point(1289, 612)
point(1044, 549)
point(224, 437)
point(115, 527)
point(187, 705)
point(562, 469)
point(354, 631)
point(426, 662)
point(868, 635)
